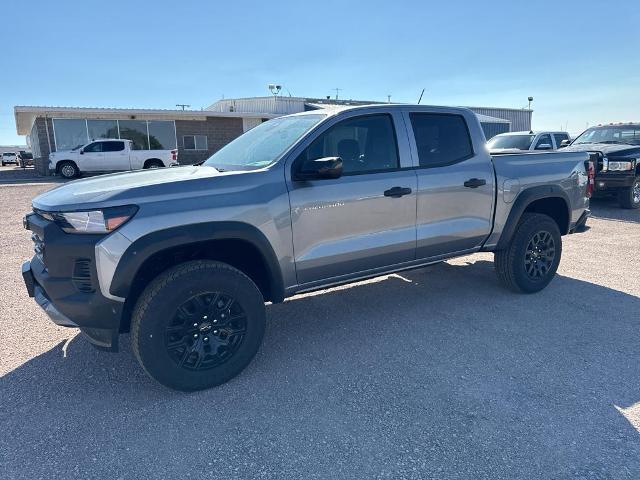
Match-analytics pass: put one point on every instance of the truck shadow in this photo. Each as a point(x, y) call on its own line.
point(607, 208)
point(439, 364)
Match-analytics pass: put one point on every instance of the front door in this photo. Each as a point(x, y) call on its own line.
point(455, 185)
point(364, 220)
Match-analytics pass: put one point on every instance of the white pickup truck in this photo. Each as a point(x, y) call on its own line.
point(108, 155)
point(516, 142)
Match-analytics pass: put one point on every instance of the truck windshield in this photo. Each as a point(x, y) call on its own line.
point(263, 145)
point(627, 134)
point(519, 142)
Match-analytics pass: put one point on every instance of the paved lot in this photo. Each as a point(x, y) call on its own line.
point(436, 373)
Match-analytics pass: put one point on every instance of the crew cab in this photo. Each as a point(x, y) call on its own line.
point(185, 258)
point(512, 142)
point(618, 166)
point(108, 155)
point(9, 157)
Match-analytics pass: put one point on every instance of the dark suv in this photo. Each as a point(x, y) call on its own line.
point(618, 170)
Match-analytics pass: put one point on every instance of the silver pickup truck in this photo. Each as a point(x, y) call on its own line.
point(185, 258)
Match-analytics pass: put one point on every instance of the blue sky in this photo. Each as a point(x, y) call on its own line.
point(580, 60)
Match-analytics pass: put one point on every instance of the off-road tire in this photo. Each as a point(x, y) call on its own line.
point(68, 169)
point(156, 311)
point(630, 197)
point(511, 263)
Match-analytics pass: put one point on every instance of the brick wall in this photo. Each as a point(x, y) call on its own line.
point(41, 163)
point(219, 132)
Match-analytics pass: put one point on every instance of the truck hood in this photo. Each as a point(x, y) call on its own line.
point(128, 188)
point(613, 149)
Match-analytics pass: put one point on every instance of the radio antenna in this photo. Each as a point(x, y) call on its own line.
point(420, 99)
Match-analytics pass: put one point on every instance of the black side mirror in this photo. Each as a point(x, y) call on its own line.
point(82, 151)
point(565, 143)
point(320, 168)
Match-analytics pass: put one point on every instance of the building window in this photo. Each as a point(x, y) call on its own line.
point(145, 135)
point(136, 131)
point(195, 142)
point(102, 129)
point(69, 133)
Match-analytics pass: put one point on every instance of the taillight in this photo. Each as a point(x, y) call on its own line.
point(174, 155)
point(591, 175)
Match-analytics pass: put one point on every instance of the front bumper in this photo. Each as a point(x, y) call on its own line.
point(613, 181)
point(51, 278)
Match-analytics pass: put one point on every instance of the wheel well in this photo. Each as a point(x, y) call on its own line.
point(149, 161)
point(240, 254)
point(554, 207)
point(62, 162)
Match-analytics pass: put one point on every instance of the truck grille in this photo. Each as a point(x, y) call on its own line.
point(38, 247)
point(81, 277)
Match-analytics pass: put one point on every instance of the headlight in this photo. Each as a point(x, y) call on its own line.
point(621, 166)
point(93, 221)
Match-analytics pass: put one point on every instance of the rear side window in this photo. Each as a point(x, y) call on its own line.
point(441, 139)
point(112, 146)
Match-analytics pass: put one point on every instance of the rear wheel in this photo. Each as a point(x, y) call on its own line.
point(630, 197)
point(198, 325)
point(153, 164)
point(532, 257)
point(68, 170)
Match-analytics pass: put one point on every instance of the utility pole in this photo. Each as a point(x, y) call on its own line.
point(182, 105)
point(388, 98)
point(338, 90)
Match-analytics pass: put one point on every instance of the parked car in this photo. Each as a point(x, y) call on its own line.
point(185, 258)
point(25, 158)
point(519, 141)
point(618, 165)
point(9, 157)
point(108, 155)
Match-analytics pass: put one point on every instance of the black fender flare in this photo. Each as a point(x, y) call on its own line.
point(526, 198)
point(144, 247)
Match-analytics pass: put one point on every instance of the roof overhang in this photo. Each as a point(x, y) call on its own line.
point(26, 115)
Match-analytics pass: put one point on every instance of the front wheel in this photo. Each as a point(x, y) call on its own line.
point(198, 325)
point(630, 197)
point(532, 257)
point(68, 170)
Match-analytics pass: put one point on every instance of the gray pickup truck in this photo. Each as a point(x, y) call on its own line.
point(185, 258)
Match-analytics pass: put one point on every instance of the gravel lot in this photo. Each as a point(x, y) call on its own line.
point(435, 373)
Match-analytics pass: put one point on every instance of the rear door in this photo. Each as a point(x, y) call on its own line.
point(455, 184)
point(354, 224)
point(116, 156)
point(91, 158)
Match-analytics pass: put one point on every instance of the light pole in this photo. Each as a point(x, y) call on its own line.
point(530, 114)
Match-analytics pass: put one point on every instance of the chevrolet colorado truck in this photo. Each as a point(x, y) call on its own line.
point(186, 258)
point(618, 164)
point(108, 155)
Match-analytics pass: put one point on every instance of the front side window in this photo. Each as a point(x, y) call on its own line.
point(544, 140)
point(441, 139)
point(195, 142)
point(559, 137)
point(112, 146)
point(94, 147)
point(365, 144)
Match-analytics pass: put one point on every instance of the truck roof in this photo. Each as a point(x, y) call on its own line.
point(533, 132)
